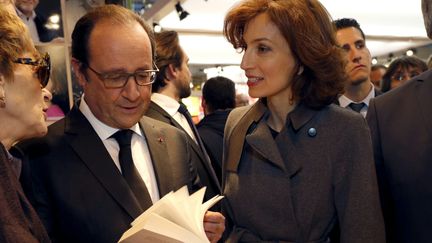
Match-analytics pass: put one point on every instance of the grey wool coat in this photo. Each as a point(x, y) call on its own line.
point(318, 172)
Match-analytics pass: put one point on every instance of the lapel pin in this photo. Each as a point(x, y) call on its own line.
point(160, 140)
point(312, 132)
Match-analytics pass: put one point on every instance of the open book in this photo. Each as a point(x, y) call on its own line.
point(177, 217)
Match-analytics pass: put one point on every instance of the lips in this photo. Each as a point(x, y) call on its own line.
point(359, 67)
point(252, 81)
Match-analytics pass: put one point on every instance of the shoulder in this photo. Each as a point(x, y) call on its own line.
point(406, 91)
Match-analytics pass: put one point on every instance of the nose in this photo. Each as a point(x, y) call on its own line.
point(46, 94)
point(247, 61)
point(355, 55)
point(131, 89)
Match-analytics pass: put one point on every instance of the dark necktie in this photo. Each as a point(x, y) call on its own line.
point(356, 106)
point(184, 111)
point(129, 171)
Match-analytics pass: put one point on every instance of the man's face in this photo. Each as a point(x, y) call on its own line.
point(117, 49)
point(26, 6)
point(358, 56)
point(376, 76)
point(184, 78)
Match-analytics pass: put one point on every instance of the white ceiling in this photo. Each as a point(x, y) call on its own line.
point(390, 25)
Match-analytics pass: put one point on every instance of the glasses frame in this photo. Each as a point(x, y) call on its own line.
point(103, 76)
point(43, 66)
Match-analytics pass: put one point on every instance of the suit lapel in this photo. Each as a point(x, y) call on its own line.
point(155, 139)
point(203, 157)
point(81, 136)
point(423, 91)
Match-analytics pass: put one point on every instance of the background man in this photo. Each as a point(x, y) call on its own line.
point(171, 85)
point(376, 75)
point(218, 99)
point(401, 126)
point(34, 21)
point(359, 89)
point(104, 164)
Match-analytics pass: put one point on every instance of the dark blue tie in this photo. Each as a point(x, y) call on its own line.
point(356, 106)
point(129, 171)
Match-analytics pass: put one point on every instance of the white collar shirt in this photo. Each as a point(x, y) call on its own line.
point(30, 23)
point(345, 101)
point(140, 151)
point(171, 106)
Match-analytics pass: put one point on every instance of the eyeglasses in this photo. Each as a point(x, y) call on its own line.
point(115, 80)
point(43, 67)
point(405, 76)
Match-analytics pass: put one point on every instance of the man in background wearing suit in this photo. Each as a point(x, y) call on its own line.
point(401, 126)
point(171, 85)
point(35, 21)
point(359, 89)
point(90, 184)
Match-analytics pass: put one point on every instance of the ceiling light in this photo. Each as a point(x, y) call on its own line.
point(180, 11)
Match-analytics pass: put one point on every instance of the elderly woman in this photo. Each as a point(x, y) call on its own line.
point(295, 166)
point(23, 75)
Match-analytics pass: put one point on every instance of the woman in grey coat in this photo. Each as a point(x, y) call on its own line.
point(296, 168)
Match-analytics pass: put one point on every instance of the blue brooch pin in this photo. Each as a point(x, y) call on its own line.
point(312, 132)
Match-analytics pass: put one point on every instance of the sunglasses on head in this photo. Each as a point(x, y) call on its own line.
point(43, 67)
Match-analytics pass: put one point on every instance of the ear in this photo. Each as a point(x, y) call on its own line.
point(171, 72)
point(2, 92)
point(2, 80)
point(77, 67)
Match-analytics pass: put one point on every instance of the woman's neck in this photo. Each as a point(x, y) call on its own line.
point(279, 109)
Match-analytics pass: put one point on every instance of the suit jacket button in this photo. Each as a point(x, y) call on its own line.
point(312, 132)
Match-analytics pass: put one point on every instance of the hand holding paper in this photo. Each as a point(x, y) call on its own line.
point(177, 217)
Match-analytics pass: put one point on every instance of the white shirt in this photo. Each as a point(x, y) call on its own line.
point(171, 106)
point(345, 101)
point(29, 21)
point(140, 151)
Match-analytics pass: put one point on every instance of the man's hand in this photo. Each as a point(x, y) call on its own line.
point(214, 225)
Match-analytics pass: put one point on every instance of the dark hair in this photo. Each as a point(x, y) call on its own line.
point(168, 51)
point(219, 93)
point(306, 26)
point(116, 14)
point(346, 23)
point(403, 62)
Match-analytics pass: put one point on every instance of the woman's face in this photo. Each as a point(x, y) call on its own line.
point(268, 62)
point(25, 106)
point(402, 75)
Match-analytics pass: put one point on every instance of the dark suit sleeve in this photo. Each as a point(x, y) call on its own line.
point(386, 205)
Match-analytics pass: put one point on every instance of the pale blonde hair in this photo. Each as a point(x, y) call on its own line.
point(15, 40)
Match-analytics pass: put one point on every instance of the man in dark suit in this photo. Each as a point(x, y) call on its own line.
point(218, 99)
point(89, 184)
point(172, 84)
point(36, 22)
point(401, 126)
point(359, 89)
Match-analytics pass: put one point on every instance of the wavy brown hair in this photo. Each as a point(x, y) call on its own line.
point(306, 26)
point(168, 51)
point(14, 41)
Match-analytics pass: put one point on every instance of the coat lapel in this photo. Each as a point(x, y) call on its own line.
point(250, 127)
point(203, 157)
point(155, 139)
point(81, 136)
point(423, 90)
